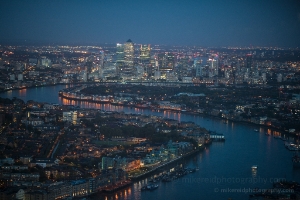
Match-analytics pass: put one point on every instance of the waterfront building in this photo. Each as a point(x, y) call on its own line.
point(126, 164)
point(38, 195)
point(20, 77)
point(80, 188)
point(60, 190)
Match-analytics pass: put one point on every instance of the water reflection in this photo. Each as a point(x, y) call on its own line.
point(22, 92)
point(122, 194)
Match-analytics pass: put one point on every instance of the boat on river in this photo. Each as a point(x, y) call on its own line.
point(149, 187)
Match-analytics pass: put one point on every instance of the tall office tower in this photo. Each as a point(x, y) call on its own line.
point(145, 59)
point(119, 58)
point(161, 60)
point(213, 66)
point(170, 61)
point(129, 53)
point(198, 65)
point(101, 64)
point(85, 75)
point(145, 54)
point(125, 60)
point(166, 62)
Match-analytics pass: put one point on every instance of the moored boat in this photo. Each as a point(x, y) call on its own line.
point(152, 187)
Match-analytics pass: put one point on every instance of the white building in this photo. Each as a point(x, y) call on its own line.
point(70, 116)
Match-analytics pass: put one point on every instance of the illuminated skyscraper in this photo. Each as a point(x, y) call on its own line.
point(101, 64)
point(145, 54)
point(161, 60)
point(198, 65)
point(125, 60)
point(145, 59)
point(166, 61)
point(129, 53)
point(119, 58)
point(213, 66)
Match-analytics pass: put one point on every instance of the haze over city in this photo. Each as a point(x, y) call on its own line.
point(204, 23)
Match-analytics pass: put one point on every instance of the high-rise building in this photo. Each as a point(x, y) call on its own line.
point(145, 54)
point(125, 60)
point(166, 61)
point(101, 64)
point(129, 53)
point(198, 68)
point(144, 59)
point(213, 66)
point(119, 58)
point(170, 61)
point(161, 60)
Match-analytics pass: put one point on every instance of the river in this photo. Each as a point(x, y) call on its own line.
point(224, 167)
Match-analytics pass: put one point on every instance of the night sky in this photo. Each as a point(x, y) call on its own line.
point(170, 22)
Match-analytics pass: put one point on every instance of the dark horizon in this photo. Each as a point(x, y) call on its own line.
point(25, 42)
point(270, 23)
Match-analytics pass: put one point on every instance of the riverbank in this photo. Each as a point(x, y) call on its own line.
point(179, 111)
point(151, 108)
point(247, 123)
point(35, 86)
point(132, 180)
point(49, 85)
point(165, 164)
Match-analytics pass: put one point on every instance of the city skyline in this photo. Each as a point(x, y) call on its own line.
point(201, 23)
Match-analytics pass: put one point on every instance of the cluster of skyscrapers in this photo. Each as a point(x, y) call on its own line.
point(134, 62)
